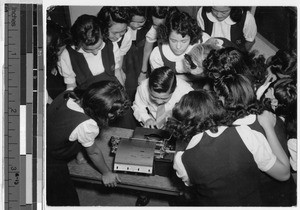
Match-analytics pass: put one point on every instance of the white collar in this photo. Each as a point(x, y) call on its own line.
point(221, 129)
point(71, 104)
point(228, 20)
point(197, 138)
point(168, 53)
point(83, 52)
point(248, 120)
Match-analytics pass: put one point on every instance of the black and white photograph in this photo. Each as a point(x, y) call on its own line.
point(159, 106)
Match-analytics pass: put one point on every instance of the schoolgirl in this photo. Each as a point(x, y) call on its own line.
point(57, 39)
point(89, 59)
point(176, 37)
point(74, 120)
point(229, 159)
point(114, 22)
point(138, 27)
point(236, 24)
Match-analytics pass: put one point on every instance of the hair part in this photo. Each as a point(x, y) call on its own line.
point(162, 80)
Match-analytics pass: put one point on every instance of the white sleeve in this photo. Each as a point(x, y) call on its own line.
point(258, 145)
point(85, 133)
point(180, 169)
point(292, 146)
point(200, 20)
point(205, 37)
point(151, 35)
point(140, 104)
point(155, 59)
point(126, 43)
point(66, 68)
point(250, 28)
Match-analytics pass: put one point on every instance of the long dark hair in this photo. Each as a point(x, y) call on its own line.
point(59, 37)
point(109, 14)
point(86, 30)
point(103, 101)
point(227, 59)
point(196, 112)
point(285, 91)
point(238, 95)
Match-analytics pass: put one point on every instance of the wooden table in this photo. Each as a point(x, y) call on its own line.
point(148, 183)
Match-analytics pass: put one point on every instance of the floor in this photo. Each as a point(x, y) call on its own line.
point(98, 195)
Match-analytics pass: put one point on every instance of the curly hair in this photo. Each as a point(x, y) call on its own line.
point(196, 112)
point(182, 23)
point(109, 14)
point(86, 30)
point(285, 91)
point(238, 94)
point(103, 101)
point(230, 60)
point(283, 62)
point(257, 68)
point(58, 37)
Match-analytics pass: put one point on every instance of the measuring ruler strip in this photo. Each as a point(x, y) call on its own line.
point(23, 111)
point(12, 105)
point(29, 101)
point(38, 113)
point(24, 85)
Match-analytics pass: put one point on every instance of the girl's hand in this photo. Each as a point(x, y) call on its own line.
point(267, 120)
point(110, 179)
point(150, 123)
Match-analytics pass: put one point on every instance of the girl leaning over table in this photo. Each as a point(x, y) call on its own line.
point(74, 120)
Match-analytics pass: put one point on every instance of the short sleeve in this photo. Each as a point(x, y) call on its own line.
point(66, 68)
point(292, 146)
point(85, 133)
point(250, 28)
point(205, 37)
point(258, 145)
point(180, 169)
point(151, 35)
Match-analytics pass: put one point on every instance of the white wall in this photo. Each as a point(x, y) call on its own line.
point(76, 11)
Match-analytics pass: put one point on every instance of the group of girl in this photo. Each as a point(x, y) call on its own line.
point(237, 136)
point(118, 43)
point(236, 152)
